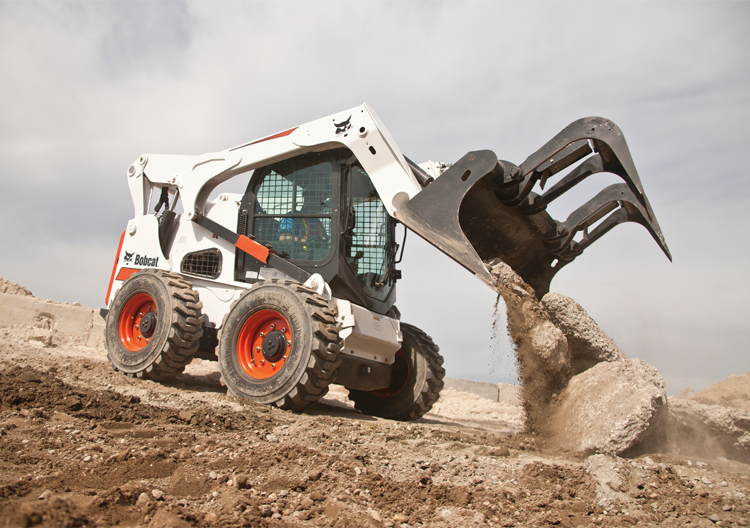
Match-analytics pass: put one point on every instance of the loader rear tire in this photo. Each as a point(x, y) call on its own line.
point(279, 344)
point(154, 325)
point(416, 381)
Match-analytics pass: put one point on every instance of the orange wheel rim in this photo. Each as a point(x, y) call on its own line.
point(263, 344)
point(399, 377)
point(137, 322)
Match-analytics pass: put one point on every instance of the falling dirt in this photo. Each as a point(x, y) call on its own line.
point(81, 445)
point(540, 384)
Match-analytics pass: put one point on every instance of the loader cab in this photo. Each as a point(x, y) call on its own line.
point(322, 212)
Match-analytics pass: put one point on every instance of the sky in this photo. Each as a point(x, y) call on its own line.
point(87, 87)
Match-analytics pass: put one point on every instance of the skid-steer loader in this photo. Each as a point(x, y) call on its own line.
point(291, 285)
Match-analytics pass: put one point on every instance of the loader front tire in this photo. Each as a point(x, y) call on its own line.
point(279, 344)
point(154, 325)
point(416, 381)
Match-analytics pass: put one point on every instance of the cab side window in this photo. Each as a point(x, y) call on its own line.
point(372, 235)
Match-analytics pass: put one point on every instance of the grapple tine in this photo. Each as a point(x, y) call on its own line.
point(608, 141)
point(629, 209)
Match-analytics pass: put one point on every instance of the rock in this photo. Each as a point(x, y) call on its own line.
point(744, 522)
point(332, 509)
point(696, 429)
point(587, 343)
point(550, 343)
point(143, 500)
point(210, 517)
point(400, 518)
point(46, 494)
point(499, 452)
point(157, 494)
point(213, 475)
point(611, 408)
point(605, 470)
point(41, 335)
point(265, 510)
point(307, 503)
point(714, 518)
point(165, 519)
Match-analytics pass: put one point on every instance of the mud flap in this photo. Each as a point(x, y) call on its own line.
point(483, 208)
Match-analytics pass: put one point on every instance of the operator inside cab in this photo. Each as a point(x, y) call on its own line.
point(302, 230)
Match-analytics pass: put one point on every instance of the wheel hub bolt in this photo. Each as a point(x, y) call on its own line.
point(273, 326)
point(262, 361)
point(262, 334)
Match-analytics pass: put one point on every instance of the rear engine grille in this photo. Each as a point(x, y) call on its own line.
point(205, 263)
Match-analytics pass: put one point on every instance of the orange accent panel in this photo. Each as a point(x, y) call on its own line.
point(252, 248)
point(114, 268)
point(280, 134)
point(125, 273)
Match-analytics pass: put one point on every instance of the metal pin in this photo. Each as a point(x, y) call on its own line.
point(283, 329)
point(273, 365)
point(273, 326)
point(262, 334)
point(257, 349)
point(262, 361)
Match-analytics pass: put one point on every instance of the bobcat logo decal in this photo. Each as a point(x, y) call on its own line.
point(128, 257)
point(344, 126)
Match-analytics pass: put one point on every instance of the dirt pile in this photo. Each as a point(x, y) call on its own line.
point(12, 288)
point(732, 392)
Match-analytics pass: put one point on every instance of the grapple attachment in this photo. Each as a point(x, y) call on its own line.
point(482, 208)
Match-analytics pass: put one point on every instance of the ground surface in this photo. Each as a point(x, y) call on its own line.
point(83, 445)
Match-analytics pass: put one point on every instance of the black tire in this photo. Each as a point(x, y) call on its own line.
point(171, 332)
point(416, 381)
point(256, 358)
